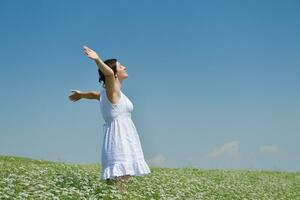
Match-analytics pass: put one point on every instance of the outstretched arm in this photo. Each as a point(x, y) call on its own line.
point(77, 95)
point(91, 95)
point(107, 71)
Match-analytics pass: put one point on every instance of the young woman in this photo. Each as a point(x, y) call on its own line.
point(122, 154)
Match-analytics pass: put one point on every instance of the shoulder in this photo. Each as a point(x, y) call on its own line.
point(113, 95)
point(96, 95)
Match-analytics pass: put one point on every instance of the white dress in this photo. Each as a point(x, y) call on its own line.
point(122, 152)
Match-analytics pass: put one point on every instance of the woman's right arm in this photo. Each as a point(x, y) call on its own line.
point(89, 95)
point(77, 95)
point(107, 71)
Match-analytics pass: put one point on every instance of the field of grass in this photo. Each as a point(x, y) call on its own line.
point(24, 178)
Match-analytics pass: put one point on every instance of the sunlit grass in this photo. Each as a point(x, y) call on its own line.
point(23, 178)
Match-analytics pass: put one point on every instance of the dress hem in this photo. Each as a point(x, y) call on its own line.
point(138, 168)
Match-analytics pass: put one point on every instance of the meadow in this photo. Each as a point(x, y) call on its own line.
point(25, 178)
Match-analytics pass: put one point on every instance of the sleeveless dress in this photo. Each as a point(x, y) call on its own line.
point(122, 153)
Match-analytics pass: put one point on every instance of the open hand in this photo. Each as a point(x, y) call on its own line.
point(90, 53)
point(75, 96)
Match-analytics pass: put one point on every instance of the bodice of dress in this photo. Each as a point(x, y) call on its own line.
point(110, 111)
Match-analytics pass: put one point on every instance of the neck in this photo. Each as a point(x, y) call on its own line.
point(118, 83)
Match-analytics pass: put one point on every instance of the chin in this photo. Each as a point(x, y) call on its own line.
point(125, 77)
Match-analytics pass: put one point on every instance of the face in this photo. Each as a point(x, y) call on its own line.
point(121, 71)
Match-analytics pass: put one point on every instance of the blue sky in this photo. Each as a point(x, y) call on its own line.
point(215, 84)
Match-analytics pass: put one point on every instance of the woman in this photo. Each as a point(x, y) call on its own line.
point(122, 154)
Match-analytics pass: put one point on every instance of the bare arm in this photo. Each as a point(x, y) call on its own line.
point(90, 95)
point(107, 71)
point(113, 91)
point(77, 95)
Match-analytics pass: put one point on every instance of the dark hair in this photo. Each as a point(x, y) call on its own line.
point(112, 63)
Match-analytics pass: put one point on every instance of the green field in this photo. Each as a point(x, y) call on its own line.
point(24, 178)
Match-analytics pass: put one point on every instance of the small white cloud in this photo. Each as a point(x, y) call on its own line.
point(230, 149)
point(272, 150)
point(157, 160)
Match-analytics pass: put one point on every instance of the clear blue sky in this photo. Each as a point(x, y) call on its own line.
point(215, 84)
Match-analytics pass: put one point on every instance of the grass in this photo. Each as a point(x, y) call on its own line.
point(25, 178)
